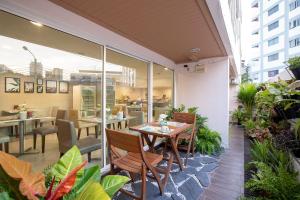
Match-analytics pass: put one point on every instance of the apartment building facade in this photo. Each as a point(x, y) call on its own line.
point(275, 36)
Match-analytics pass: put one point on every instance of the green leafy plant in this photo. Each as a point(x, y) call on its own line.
point(200, 120)
point(246, 96)
point(18, 180)
point(239, 115)
point(208, 141)
point(249, 125)
point(265, 152)
point(172, 110)
point(294, 62)
point(69, 180)
point(269, 184)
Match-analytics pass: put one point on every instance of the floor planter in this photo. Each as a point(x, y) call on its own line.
point(296, 72)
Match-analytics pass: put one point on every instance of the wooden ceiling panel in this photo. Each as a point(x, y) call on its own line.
point(170, 28)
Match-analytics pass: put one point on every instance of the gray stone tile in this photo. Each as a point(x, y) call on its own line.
point(208, 160)
point(203, 178)
point(209, 167)
point(177, 197)
point(194, 162)
point(179, 177)
point(191, 189)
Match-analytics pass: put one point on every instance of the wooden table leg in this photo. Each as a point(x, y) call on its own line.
point(149, 142)
point(176, 153)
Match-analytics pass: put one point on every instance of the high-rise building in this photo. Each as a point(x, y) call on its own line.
point(55, 73)
point(36, 69)
point(3, 68)
point(275, 36)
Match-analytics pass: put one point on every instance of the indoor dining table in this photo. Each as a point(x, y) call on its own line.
point(109, 121)
point(151, 131)
point(22, 130)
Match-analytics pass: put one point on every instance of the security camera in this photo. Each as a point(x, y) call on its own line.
point(186, 67)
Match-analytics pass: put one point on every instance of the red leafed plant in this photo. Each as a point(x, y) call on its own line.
point(65, 186)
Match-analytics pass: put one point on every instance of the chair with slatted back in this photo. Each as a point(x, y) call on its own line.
point(136, 160)
point(188, 136)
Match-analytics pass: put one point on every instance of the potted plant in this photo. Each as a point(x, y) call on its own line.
point(294, 66)
point(22, 111)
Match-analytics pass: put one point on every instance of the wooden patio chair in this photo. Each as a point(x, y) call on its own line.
point(188, 136)
point(136, 160)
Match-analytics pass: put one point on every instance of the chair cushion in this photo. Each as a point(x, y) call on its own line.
point(45, 130)
point(88, 144)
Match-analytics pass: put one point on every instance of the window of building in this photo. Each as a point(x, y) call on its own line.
point(273, 73)
point(295, 42)
point(255, 76)
point(294, 5)
point(273, 57)
point(273, 10)
point(294, 23)
point(273, 26)
point(273, 41)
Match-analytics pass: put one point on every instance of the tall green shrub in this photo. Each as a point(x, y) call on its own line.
point(246, 96)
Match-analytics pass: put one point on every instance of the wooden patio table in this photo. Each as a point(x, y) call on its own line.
point(153, 129)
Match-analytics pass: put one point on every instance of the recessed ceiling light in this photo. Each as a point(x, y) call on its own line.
point(6, 47)
point(166, 69)
point(37, 23)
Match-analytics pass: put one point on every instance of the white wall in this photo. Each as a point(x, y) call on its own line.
point(209, 91)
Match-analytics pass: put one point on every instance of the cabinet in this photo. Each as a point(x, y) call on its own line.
point(84, 100)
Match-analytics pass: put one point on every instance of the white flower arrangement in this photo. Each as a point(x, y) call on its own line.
point(22, 107)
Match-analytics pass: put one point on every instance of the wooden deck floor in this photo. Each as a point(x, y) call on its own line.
point(227, 181)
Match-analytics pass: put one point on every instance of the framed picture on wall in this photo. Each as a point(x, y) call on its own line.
point(28, 87)
point(12, 85)
point(39, 89)
point(51, 86)
point(63, 87)
point(39, 81)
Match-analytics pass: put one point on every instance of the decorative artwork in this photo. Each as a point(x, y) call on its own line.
point(39, 89)
point(39, 81)
point(12, 85)
point(63, 87)
point(51, 86)
point(28, 87)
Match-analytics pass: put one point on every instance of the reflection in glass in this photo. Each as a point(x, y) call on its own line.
point(162, 90)
point(54, 71)
point(127, 95)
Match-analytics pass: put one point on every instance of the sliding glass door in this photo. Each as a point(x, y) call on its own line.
point(43, 70)
point(163, 96)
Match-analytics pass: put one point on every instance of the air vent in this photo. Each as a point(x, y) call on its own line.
point(200, 68)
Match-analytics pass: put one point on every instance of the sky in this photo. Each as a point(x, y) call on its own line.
point(17, 59)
